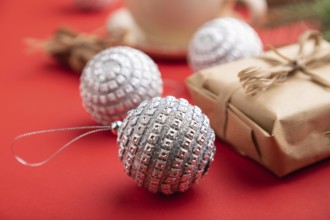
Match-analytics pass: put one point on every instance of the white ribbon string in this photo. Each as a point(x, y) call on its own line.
point(94, 129)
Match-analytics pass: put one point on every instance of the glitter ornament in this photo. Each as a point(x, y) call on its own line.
point(116, 80)
point(165, 144)
point(91, 5)
point(222, 40)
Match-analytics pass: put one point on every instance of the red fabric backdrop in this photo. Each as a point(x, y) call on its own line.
point(87, 181)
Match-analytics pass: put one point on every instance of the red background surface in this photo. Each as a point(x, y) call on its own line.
point(87, 180)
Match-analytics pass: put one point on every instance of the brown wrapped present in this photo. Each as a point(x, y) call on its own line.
point(274, 109)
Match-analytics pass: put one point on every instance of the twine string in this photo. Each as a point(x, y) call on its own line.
point(254, 79)
point(76, 49)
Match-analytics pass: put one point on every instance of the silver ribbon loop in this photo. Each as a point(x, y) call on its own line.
point(93, 129)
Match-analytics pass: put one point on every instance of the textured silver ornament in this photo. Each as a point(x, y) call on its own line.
point(166, 144)
point(116, 80)
point(222, 40)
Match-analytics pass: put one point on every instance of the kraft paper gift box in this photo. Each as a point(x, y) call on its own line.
point(284, 127)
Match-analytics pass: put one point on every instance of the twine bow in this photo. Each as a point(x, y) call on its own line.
point(75, 50)
point(255, 79)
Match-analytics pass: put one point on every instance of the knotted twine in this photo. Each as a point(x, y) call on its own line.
point(255, 79)
point(76, 49)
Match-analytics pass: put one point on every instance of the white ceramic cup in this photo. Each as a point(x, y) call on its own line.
point(171, 23)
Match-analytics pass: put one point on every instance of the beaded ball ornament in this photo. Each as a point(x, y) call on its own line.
point(116, 80)
point(222, 40)
point(165, 144)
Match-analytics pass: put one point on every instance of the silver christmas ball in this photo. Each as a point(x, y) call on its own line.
point(166, 144)
point(222, 40)
point(116, 80)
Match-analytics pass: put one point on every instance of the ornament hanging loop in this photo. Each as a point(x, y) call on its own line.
point(92, 130)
